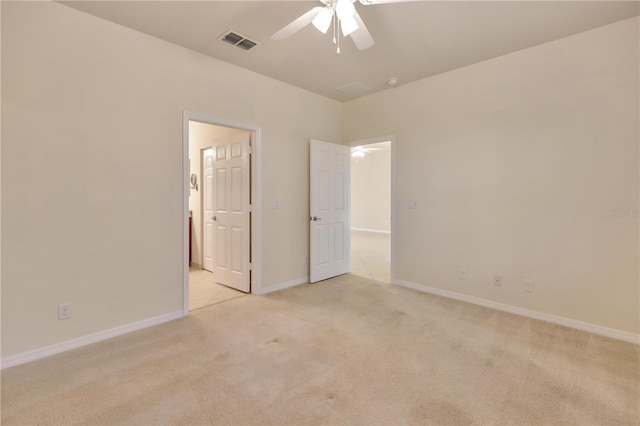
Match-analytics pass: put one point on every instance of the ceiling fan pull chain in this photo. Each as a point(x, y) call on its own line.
point(334, 29)
point(338, 31)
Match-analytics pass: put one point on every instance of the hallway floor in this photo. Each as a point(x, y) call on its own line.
point(371, 255)
point(204, 291)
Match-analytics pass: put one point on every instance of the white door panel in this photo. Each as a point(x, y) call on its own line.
point(231, 212)
point(236, 250)
point(330, 221)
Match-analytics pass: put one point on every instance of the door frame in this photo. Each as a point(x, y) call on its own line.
point(255, 200)
point(392, 139)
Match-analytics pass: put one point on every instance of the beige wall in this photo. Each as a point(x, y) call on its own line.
point(85, 103)
point(371, 189)
point(201, 136)
point(515, 163)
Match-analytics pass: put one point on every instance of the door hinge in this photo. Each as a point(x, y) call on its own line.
point(250, 208)
point(250, 150)
point(250, 266)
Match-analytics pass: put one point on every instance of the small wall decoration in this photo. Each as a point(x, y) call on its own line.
point(194, 181)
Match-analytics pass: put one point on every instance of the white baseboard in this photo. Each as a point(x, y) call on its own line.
point(567, 322)
point(282, 286)
point(377, 231)
point(33, 355)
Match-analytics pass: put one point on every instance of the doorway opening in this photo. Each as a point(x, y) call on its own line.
point(221, 234)
point(371, 209)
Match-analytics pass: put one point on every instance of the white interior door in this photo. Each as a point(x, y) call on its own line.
point(208, 192)
point(330, 221)
point(231, 212)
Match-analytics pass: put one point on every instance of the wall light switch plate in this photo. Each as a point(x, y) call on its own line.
point(413, 204)
point(275, 204)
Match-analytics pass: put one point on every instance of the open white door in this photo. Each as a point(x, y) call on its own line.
point(330, 221)
point(231, 229)
point(208, 193)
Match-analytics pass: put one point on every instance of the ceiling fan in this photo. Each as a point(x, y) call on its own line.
point(340, 13)
point(360, 151)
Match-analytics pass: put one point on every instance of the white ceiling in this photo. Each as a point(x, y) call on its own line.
point(414, 40)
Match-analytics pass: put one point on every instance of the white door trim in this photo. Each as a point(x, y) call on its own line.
point(256, 200)
point(392, 139)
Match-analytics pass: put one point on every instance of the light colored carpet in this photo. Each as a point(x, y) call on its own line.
point(343, 351)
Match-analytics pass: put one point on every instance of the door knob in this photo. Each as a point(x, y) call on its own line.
point(215, 218)
point(316, 218)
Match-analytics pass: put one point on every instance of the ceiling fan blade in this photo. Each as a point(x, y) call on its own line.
point(297, 25)
point(361, 37)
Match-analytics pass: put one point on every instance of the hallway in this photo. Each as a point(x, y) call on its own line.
point(371, 255)
point(204, 291)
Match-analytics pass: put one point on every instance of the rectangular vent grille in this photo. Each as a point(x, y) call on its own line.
point(354, 88)
point(237, 40)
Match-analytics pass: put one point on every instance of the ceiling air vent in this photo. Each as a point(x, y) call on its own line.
point(354, 88)
point(237, 40)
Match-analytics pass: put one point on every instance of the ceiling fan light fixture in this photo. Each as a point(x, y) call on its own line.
point(348, 25)
point(357, 152)
point(322, 21)
point(345, 9)
point(346, 14)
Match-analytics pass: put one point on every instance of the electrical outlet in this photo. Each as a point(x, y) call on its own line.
point(462, 274)
point(497, 280)
point(275, 204)
point(64, 311)
point(528, 285)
